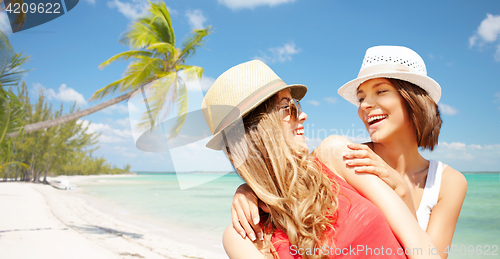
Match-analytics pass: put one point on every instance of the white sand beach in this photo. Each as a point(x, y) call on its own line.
point(39, 221)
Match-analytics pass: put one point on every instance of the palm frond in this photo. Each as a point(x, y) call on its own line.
point(5, 51)
point(159, 98)
point(155, 27)
point(125, 56)
point(161, 47)
point(11, 113)
point(15, 163)
point(109, 89)
point(154, 33)
point(13, 72)
point(191, 72)
point(161, 23)
point(139, 72)
point(191, 43)
point(139, 36)
point(182, 107)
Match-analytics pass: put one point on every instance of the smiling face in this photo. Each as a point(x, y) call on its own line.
point(383, 110)
point(293, 128)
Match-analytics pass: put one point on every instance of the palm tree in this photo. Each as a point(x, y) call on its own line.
point(155, 61)
point(11, 119)
point(11, 108)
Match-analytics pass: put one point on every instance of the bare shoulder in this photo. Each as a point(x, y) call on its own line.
point(453, 183)
point(334, 141)
point(332, 147)
point(330, 152)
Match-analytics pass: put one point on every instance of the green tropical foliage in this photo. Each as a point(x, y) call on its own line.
point(64, 149)
point(11, 109)
point(157, 60)
point(11, 115)
point(61, 150)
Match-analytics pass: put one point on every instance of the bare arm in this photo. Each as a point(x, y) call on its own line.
point(445, 214)
point(364, 160)
point(245, 213)
point(240, 248)
point(399, 217)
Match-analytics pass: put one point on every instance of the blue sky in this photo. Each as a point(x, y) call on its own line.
point(317, 43)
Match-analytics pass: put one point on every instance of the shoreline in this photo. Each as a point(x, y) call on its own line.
point(72, 228)
point(209, 241)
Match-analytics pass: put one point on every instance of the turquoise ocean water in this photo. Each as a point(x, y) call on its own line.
point(205, 210)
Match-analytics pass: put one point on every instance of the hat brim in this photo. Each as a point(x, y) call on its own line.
point(349, 90)
point(298, 92)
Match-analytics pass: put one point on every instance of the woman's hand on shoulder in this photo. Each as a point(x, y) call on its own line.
point(345, 157)
point(363, 159)
point(401, 220)
point(245, 213)
point(444, 215)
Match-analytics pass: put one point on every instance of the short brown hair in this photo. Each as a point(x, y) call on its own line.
point(423, 112)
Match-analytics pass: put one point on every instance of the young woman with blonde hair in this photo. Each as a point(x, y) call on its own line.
point(397, 102)
point(313, 213)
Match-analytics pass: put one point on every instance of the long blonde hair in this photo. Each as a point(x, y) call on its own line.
point(301, 199)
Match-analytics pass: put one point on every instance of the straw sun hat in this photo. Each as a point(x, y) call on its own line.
point(391, 62)
point(238, 91)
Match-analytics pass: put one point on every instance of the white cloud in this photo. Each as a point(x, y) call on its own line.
point(125, 122)
point(447, 110)
point(474, 146)
point(467, 157)
point(118, 108)
point(241, 4)
point(131, 10)
point(487, 32)
point(279, 54)
point(65, 94)
point(331, 99)
point(92, 2)
point(196, 19)
point(108, 133)
point(489, 29)
point(4, 23)
point(431, 56)
point(454, 145)
point(313, 102)
point(472, 41)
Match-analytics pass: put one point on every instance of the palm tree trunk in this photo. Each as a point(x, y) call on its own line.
point(73, 116)
point(6, 173)
point(46, 171)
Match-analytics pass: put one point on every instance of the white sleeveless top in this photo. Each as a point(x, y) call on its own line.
point(431, 192)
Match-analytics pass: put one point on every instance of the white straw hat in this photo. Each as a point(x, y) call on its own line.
point(391, 62)
point(238, 91)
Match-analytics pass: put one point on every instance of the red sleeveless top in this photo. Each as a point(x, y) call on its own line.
point(361, 230)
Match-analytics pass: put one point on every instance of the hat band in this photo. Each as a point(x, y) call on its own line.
point(386, 68)
point(249, 102)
